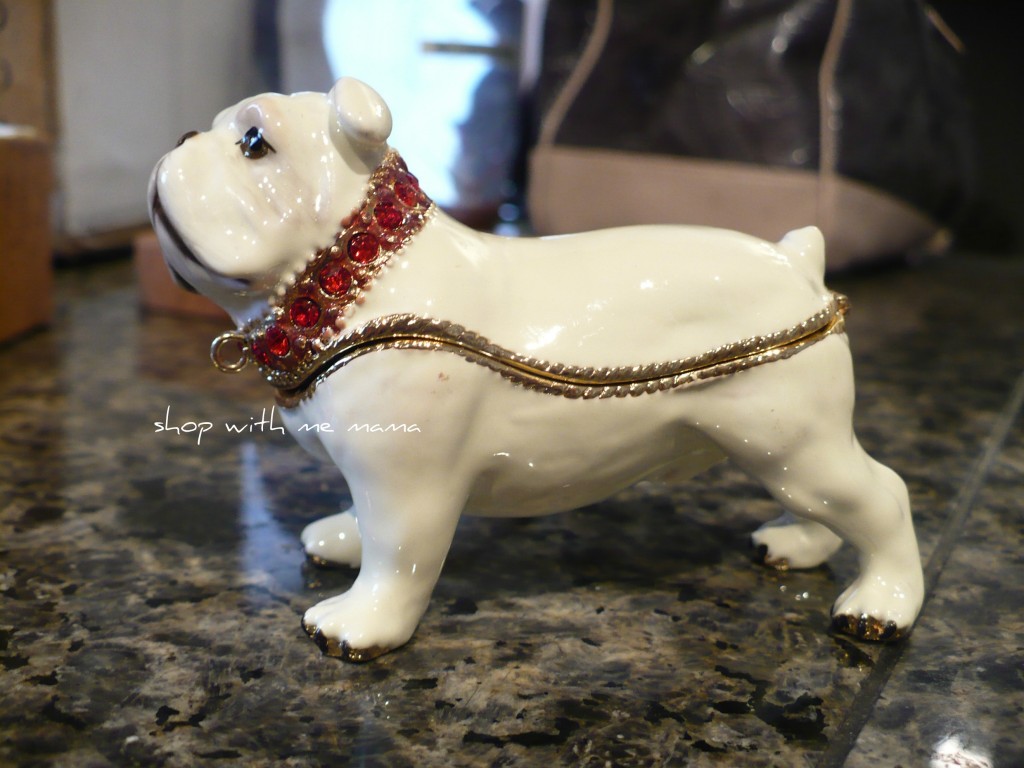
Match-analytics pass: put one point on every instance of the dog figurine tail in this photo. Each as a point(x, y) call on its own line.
point(806, 250)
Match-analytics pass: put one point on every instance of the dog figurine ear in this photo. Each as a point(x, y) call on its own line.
point(361, 123)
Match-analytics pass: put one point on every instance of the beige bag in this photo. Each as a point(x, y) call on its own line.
point(763, 158)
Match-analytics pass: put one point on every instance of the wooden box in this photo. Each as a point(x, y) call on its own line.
point(26, 65)
point(26, 262)
point(157, 291)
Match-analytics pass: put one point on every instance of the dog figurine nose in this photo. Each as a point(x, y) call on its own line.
point(185, 137)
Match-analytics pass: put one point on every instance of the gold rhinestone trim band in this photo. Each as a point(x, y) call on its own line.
point(587, 383)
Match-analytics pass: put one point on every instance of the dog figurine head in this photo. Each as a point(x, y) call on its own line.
point(266, 185)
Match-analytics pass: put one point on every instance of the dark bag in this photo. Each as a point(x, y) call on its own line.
point(755, 115)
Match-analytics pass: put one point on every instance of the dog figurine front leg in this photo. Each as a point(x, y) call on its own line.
point(334, 540)
point(789, 542)
point(408, 491)
point(406, 535)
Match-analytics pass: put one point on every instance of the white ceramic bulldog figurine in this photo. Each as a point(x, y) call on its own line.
point(460, 371)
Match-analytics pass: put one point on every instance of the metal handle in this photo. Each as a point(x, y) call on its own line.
point(217, 352)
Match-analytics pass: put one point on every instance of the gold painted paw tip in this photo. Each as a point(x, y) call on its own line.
point(317, 561)
point(359, 655)
point(322, 563)
point(330, 646)
point(869, 628)
point(762, 557)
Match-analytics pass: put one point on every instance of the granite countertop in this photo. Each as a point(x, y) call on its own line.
point(151, 583)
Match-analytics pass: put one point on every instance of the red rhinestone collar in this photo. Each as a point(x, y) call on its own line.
point(303, 324)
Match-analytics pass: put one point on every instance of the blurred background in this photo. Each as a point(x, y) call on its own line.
point(93, 92)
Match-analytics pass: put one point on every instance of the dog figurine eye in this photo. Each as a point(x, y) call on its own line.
point(253, 145)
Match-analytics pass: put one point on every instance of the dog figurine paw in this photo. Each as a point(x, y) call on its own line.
point(464, 372)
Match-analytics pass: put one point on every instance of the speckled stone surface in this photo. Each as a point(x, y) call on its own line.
point(151, 583)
